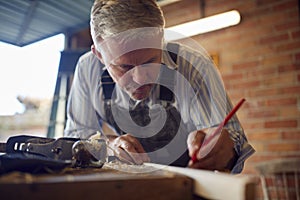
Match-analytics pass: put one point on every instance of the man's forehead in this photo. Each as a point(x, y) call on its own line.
point(131, 44)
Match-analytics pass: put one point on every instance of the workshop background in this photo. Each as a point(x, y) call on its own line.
point(259, 59)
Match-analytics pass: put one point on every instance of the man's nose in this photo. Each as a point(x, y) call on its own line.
point(139, 75)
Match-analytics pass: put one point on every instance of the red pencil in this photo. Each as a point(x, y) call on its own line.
point(219, 128)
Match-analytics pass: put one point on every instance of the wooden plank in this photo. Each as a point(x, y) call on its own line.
point(97, 184)
point(217, 185)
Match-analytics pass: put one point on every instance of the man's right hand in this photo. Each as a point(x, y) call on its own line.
point(128, 148)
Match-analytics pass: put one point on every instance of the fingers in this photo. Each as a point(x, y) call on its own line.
point(137, 145)
point(123, 156)
point(128, 148)
point(136, 149)
point(221, 157)
point(194, 141)
point(208, 162)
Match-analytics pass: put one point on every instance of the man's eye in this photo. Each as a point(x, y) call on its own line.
point(127, 67)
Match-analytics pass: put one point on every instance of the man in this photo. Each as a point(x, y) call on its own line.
point(160, 99)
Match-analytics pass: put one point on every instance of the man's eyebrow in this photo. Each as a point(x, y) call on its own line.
point(150, 60)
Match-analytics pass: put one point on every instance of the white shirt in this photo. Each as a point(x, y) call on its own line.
point(200, 98)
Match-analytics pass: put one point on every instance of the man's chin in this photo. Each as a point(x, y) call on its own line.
point(139, 96)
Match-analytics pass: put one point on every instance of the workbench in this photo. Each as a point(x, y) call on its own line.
point(130, 182)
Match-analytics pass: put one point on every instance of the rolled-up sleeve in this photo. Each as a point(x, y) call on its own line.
point(211, 104)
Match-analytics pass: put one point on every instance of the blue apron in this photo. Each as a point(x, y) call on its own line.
point(168, 145)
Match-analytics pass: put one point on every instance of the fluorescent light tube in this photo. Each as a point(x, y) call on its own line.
point(203, 25)
point(166, 2)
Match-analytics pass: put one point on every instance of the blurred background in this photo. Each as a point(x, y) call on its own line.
point(258, 58)
point(27, 81)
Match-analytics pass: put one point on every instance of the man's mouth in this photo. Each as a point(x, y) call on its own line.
point(141, 92)
point(142, 88)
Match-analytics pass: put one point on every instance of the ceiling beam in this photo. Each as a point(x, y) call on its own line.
point(26, 21)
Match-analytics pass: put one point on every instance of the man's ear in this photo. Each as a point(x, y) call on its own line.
point(97, 53)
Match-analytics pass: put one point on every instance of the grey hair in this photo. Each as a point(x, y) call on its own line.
point(110, 17)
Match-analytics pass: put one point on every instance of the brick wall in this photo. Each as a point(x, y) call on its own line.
point(259, 59)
